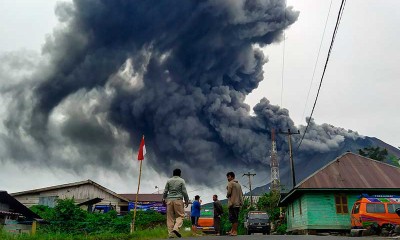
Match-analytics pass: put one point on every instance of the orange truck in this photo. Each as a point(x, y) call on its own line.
point(206, 220)
point(380, 209)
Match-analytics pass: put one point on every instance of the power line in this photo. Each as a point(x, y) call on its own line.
point(316, 61)
point(339, 17)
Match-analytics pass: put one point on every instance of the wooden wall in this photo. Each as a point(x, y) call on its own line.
point(80, 193)
point(318, 213)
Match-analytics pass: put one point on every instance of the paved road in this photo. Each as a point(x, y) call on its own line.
point(284, 237)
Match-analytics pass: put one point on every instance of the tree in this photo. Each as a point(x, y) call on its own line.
point(394, 160)
point(374, 152)
point(269, 203)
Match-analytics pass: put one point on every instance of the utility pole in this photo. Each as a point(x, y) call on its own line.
point(251, 194)
point(289, 134)
point(274, 164)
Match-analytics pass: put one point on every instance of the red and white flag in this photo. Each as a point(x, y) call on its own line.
point(142, 150)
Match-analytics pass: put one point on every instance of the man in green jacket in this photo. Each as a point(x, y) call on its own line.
point(174, 193)
point(235, 201)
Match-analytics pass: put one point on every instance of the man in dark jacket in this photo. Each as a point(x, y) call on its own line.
point(218, 211)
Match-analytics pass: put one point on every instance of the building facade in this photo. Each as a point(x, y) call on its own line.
point(324, 200)
point(14, 216)
point(88, 194)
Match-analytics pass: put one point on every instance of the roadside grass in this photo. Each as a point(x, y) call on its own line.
point(147, 234)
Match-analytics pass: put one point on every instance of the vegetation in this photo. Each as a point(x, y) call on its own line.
point(67, 218)
point(269, 203)
point(154, 233)
point(376, 153)
point(394, 160)
point(281, 229)
point(68, 221)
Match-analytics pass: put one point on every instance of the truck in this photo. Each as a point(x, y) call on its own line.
point(257, 222)
point(206, 220)
point(377, 211)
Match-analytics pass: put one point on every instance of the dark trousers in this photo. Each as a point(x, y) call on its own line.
point(217, 225)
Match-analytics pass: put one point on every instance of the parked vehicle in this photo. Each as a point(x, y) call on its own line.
point(206, 220)
point(377, 209)
point(257, 222)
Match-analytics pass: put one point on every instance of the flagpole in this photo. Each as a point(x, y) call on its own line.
point(137, 193)
point(136, 199)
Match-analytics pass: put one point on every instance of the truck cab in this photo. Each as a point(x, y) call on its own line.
point(257, 222)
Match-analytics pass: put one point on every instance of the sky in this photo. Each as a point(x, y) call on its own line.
point(359, 91)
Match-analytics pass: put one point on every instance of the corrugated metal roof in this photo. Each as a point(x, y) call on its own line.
point(350, 172)
point(354, 171)
point(17, 207)
point(75, 184)
point(143, 197)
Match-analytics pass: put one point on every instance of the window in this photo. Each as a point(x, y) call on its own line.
point(49, 201)
point(392, 207)
point(356, 208)
point(341, 203)
point(375, 208)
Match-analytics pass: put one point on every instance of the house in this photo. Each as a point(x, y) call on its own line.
point(14, 216)
point(145, 202)
point(87, 194)
point(324, 200)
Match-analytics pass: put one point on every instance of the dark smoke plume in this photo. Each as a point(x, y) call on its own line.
point(176, 71)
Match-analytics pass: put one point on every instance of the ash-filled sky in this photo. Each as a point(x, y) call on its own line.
point(80, 82)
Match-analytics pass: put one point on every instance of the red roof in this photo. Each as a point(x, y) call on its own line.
point(350, 172)
point(354, 171)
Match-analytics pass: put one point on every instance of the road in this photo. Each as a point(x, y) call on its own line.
point(284, 237)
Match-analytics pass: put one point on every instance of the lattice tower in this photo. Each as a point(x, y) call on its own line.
point(275, 180)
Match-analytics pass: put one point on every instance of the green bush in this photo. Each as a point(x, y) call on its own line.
point(269, 203)
point(225, 224)
point(281, 229)
point(44, 212)
point(149, 219)
point(67, 218)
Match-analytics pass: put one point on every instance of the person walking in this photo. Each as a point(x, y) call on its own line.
point(195, 213)
point(235, 201)
point(218, 211)
point(174, 194)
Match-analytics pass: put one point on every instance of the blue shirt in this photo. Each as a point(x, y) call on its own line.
point(195, 209)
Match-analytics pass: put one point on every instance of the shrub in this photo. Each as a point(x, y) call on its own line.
point(67, 218)
point(281, 229)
